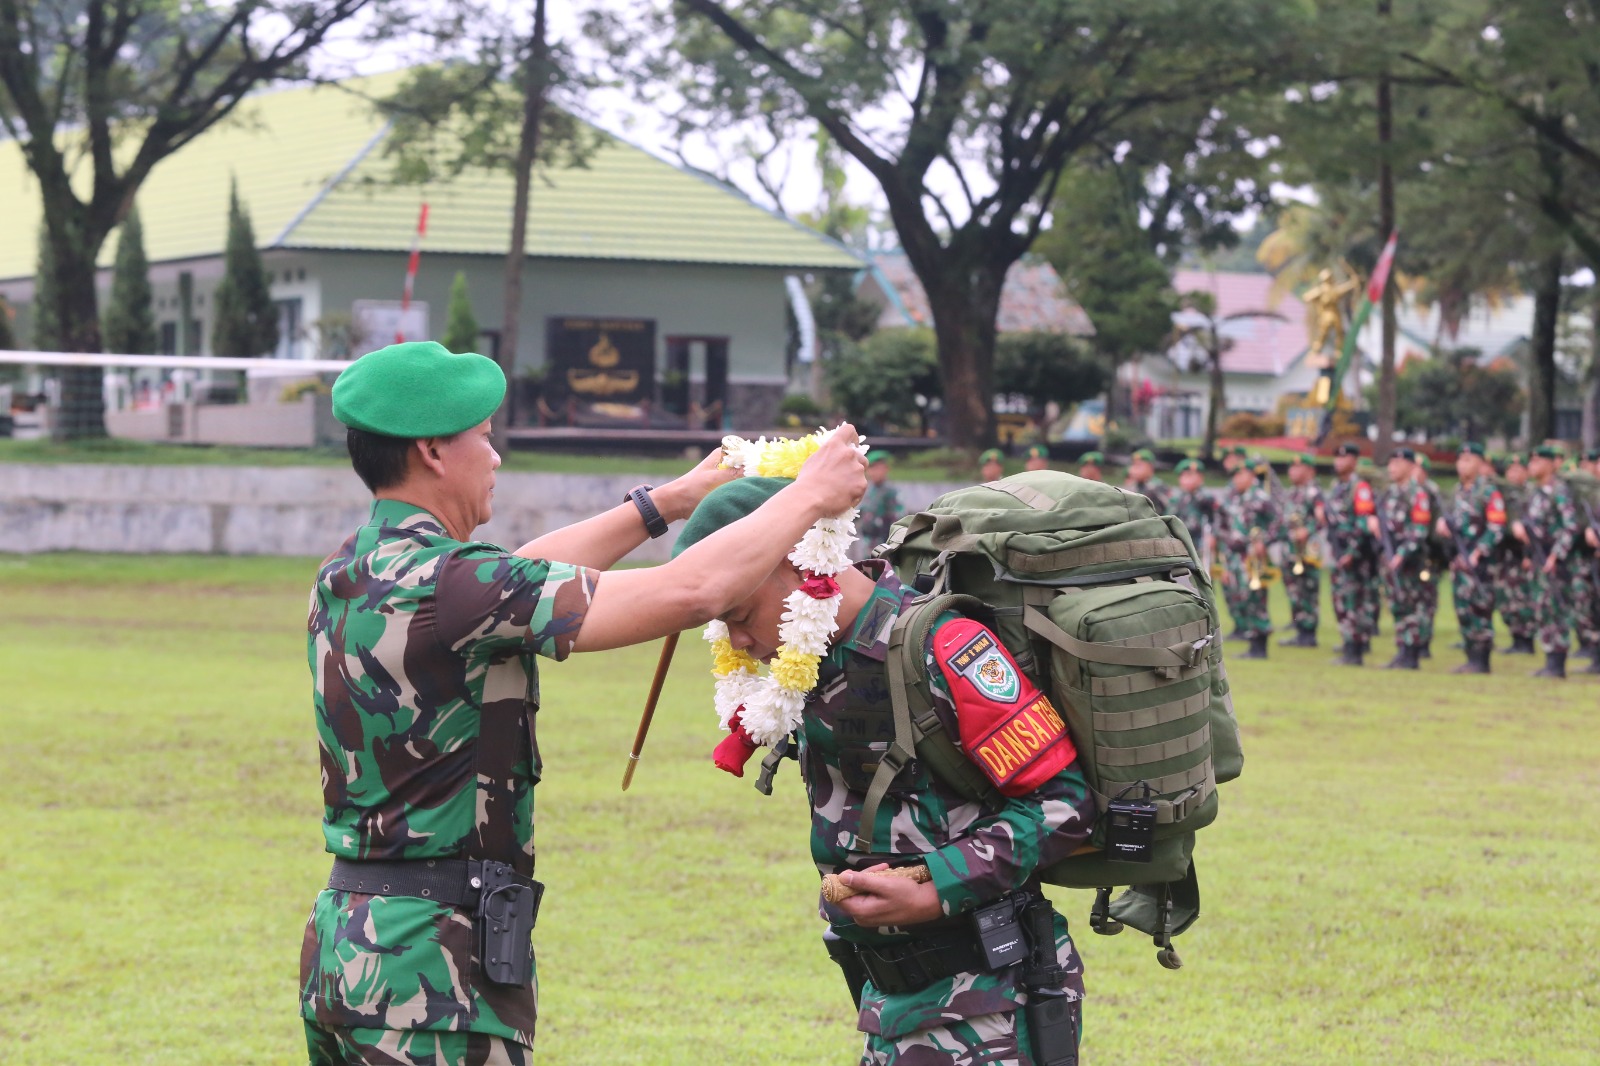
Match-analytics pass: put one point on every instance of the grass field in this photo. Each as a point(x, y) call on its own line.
point(1405, 874)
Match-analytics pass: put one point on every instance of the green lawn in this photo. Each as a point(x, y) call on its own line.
point(1404, 875)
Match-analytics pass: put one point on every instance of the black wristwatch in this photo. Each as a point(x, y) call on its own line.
point(654, 524)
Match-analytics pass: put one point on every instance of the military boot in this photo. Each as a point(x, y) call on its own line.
point(1258, 646)
point(1594, 666)
point(1477, 659)
point(1555, 665)
point(1405, 658)
point(1350, 655)
point(1301, 639)
point(1519, 646)
point(1238, 636)
point(1425, 649)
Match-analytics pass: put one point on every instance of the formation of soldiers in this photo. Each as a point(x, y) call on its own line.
point(1520, 537)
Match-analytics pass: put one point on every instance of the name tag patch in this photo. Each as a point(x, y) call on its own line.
point(982, 663)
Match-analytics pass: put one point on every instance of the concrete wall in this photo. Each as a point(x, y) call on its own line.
point(268, 510)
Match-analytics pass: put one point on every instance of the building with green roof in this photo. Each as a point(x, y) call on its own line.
point(647, 286)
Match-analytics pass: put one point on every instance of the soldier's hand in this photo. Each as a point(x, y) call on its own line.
point(837, 473)
point(1441, 529)
point(886, 900)
point(1395, 563)
point(1519, 531)
point(1372, 525)
point(678, 498)
point(1549, 566)
point(1592, 537)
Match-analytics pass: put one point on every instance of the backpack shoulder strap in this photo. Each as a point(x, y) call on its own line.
point(917, 729)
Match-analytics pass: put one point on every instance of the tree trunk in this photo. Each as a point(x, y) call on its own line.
point(1386, 384)
point(1542, 358)
point(77, 312)
point(1591, 393)
point(1217, 402)
point(535, 78)
point(965, 301)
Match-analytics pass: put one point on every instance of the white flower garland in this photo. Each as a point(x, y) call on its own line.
point(768, 707)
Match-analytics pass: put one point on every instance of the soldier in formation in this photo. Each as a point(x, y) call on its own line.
point(880, 507)
point(1404, 528)
point(1550, 531)
point(1474, 527)
point(1353, 551)
point(1302, 503)
point(1513, 580)
point(1247, 527)
point(1142, 479)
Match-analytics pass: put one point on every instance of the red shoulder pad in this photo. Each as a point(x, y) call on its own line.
point(1495, 512)
point(1364, 503)
point(1008, 727)
point(1421, 508)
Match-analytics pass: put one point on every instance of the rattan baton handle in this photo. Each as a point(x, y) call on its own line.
point(834, 890)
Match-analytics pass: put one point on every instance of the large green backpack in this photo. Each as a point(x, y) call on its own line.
point(1103, 602)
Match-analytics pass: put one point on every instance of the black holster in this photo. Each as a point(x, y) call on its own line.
point(1053, 1014)
point(844, 953)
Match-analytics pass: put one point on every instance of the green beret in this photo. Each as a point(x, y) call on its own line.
point(418, 389)
point(878, 455)
point(1364, 461)
point(1238, 449)
point(1146, 454)
point(1408, 454)
point(1038, 451)
point(1592, 455)
point(1091, 457)
point(1423, 461)
point(1516, 459)
point(1548, 451)
point(1348, 449)
point(993, 455)
point(725, 505)
point(1191, 464)
point(1472, 447)
point(1307, 458)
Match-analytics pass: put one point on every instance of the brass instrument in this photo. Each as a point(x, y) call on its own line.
point(1261, 573)
point(1310, 554)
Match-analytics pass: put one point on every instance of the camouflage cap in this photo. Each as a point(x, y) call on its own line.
point(993, 455)
point(725, 505)
point(418, 389)
point(1038, 451)
point(1091, 457)
point(1473, 447)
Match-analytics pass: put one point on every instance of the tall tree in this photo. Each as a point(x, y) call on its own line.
point(8, 326)
point(489, 110)
point(46, 330)
point(461, 325)
point(245, 320)
point(130, 324)
point(102, 91)
point(989, 101)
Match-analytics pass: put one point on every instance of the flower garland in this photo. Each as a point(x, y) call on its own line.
point(760, 710)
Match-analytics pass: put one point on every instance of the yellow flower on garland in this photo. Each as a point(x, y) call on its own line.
point(730, 660)
point(795, 670)
point(783, 458)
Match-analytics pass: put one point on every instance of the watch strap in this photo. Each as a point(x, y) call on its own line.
point(654, 524)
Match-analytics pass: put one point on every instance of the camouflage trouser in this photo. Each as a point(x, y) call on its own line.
point(1409, 598)
point(1474, 598)
point(1586, 592)
point(1436, 578)
point(989, 1038)
point(335, 1045)
point(1514, 596)
point(1305, 596)
point(1555, 597)
point(1355, 599)
point(1248, 609)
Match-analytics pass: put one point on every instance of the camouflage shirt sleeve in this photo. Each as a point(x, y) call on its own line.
point(1000, 853)
point(491, 601)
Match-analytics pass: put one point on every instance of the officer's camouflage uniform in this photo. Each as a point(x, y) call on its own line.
point(974, 856)
point(1153, 488)
point(1353, 558)
point(1196, 510)
point(880, 508)
point(1300, 504)
point(1407, 513)
point(1478, 521)
point(1586, 607)
point(1438, 558)
point(1247, 518)
point(1552, 524)
point(422, 653)
point(1514, 583)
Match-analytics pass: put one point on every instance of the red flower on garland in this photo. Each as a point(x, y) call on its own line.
point(820, 587)
point(736, 748)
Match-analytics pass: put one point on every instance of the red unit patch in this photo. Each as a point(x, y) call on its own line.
point(1365, 504)
point(1421, 509)
point(1495, 513)
point(1008, 727)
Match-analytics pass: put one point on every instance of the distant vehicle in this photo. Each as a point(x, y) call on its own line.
point(1087, 424)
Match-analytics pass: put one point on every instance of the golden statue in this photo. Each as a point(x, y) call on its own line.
point(604, 353)
point(1325, 302)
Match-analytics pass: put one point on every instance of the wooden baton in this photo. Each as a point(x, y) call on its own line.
point(833, 889)
point(668, 647)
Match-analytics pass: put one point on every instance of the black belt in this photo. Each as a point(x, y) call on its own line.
point(912, 965)
point(453, 882)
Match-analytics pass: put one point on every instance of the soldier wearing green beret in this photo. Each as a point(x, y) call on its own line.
point(1551, 531)
point(1248, 525)
point(1584, 483)
point(1233, 458)
point(1089, 466)
point(1438, 547)
point(1142, 479)
point(1302, 504)
point(423, 647)
point(1514, 583)
point(1038, 458)
point(992, 465)
point(1474, 525)
point(922, 991)
point(880, 507)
